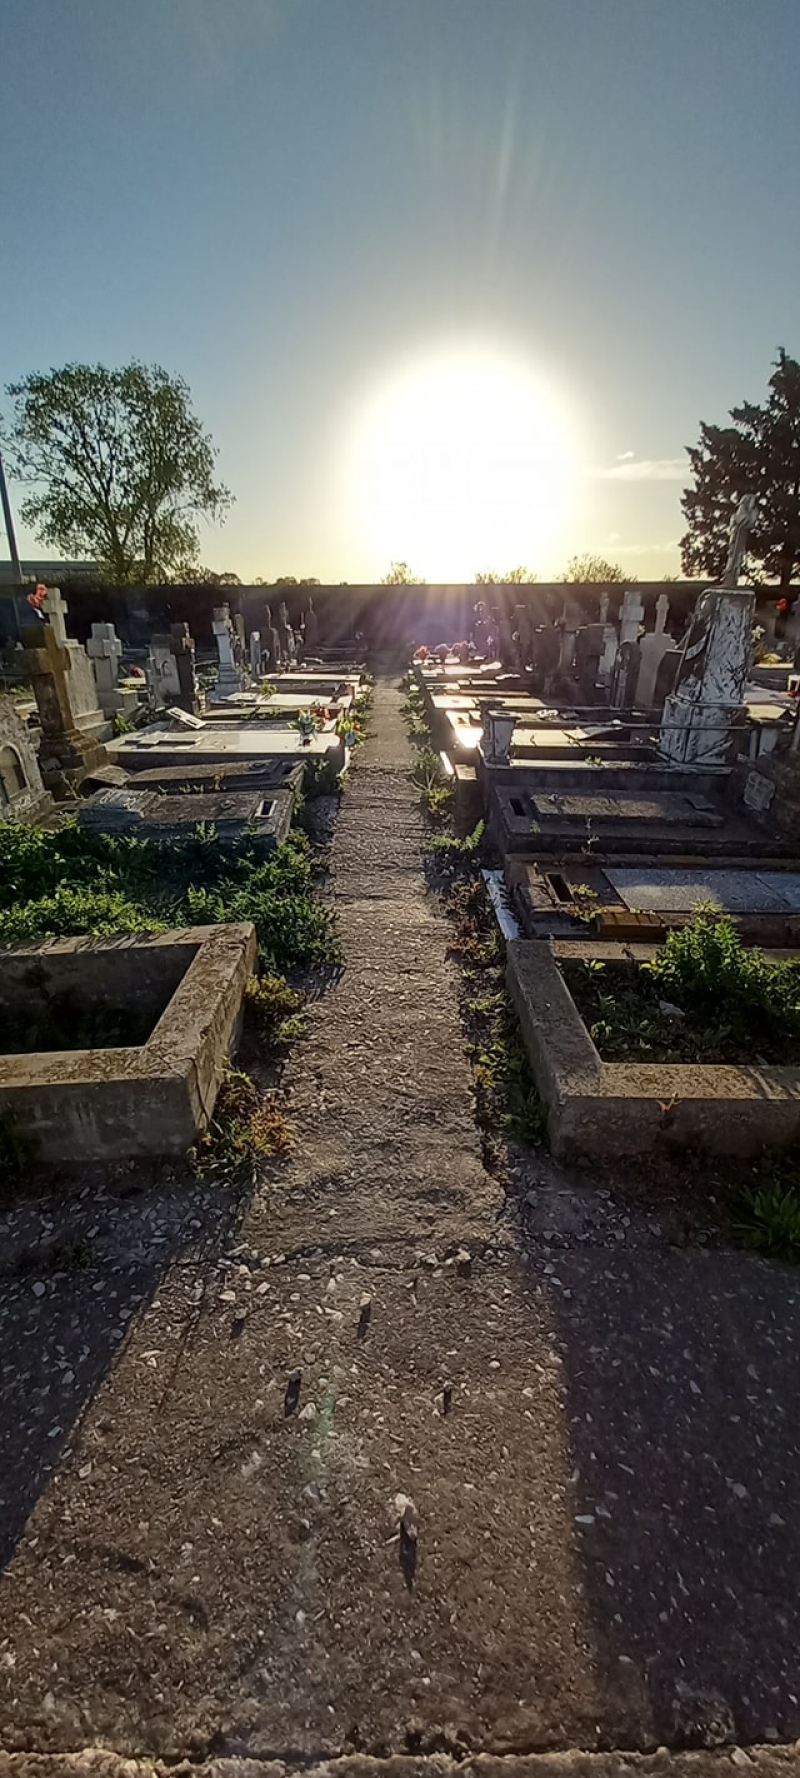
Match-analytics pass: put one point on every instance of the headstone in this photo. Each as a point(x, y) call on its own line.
point(230, 678)
point(239, 639)
point(666, 676)
point(22, 794)
point(609, 654)
point(311, 629)
point(522, 637)
point(652, 648)
point(105, 651)
point(758, 792)
point(182, 645)
point(625, 675)
point(73, 724)
point(588, 649)
point(162, 671)
point(255, 654)
point(498, 729)
point(699, 716)
point(742, 523)
point(271, 650)
point(285, 633)
point(631, 616)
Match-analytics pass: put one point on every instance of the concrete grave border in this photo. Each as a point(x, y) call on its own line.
point(105, 1104)
point(611, 1108)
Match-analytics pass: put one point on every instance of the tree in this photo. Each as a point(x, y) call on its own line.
point(119, 465)
point(514, 577)
point(594, 568)
point(759, 454)
point(400, 575)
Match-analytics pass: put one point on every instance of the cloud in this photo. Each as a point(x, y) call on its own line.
point(645, 469)
point(625, 456)
point(645, 549)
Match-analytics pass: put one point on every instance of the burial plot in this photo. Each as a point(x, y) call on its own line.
point(144, 1026)
point(150, 815)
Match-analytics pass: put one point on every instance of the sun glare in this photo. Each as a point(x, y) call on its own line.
point(463, 462)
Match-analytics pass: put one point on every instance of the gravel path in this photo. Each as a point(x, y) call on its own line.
point(210, 1419)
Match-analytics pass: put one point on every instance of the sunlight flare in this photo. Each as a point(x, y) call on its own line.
point(461, 462)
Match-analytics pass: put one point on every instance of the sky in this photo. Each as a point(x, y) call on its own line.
point(451, 281)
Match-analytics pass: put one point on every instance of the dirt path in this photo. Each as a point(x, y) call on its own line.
point(599, 1431)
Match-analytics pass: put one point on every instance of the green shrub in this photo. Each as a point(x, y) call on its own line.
point(447, 849)
point(769, 1221)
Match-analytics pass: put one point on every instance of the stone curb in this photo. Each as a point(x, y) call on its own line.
point(99, 1762)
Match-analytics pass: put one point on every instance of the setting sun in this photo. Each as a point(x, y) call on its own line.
point(462, 462)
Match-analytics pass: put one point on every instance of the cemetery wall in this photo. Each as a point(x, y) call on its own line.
point(386, 616)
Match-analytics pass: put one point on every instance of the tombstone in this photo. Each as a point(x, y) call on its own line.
point(255, 654)
point(522, 638)
point(652, 648)
point(609, 654)
point(73, 724)
point(105, 651)
point(604, 604)
point(271, 651)
point(624, 676)
point(240, 639)
point(546, 647)
point(162, 671)
point(505, 642)
point(498, 729)
point(311, 629)
point(230, 678)
point(285, 633)
point(699, 716)
point(22, 794)
point(182, 645)
point(666, 676)
point(631, 616)
point(588, 649)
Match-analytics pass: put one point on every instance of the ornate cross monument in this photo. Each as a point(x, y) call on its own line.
point(698, 717)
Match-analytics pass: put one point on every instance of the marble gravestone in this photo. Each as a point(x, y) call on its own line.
point(230, 676)
point(162, 672)
point(74, 727)
point(105, 651)
point(22, 794)
point(652, 648)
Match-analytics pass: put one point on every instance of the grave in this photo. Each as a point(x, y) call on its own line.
point(646, 900)
point(74, 727)
point(657, 814)
point(105, 652)
point(624, 1108)
point(700, 714)
point(222, 743)
point(162, 817)
point(174, 1000)
point(268, 776)
point(22, 794)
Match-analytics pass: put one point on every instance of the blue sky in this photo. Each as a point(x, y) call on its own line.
point(296, 203)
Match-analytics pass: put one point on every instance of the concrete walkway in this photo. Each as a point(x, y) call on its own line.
point(599, 1432)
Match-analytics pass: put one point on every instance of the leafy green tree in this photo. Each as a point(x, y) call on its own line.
point(514, 577)
point(118, 465)
point(759, 454)
point(594, 568)
point(400, 575)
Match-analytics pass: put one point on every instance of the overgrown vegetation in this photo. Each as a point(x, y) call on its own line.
point(275, 1010)
point(506, 1100)
point(706, 997)
point(247, 1127)
point(450, 852)
point(72, 881)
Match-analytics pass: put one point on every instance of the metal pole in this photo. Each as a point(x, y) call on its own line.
point(9, 525)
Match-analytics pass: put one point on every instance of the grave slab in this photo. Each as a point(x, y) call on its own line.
point(163, 818)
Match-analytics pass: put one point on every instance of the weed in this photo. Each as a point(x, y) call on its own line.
point(321, 777)
point(436, 801)
point(769, 1220)
point(426, 771)
point(246, 1128)
point(447, 849)
point(274, 1009)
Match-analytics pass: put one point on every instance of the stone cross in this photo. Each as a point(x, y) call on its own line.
point(742, 523)
point(631, 617)
point(56, 609)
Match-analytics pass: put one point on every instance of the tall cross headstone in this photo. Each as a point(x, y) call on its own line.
point(105, 652)
point(652, 648)
point(229, 674)
point(73, 724)
point(699, 716)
